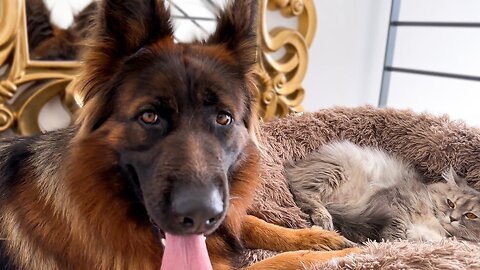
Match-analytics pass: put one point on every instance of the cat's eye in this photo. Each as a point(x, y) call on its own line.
point(450, 204)
point(470, 215)
point(149, 117)
point(224, 119)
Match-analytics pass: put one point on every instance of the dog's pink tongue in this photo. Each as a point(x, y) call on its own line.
point(185, 253)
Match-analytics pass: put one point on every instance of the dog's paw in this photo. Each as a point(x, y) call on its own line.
point(349, 244)
point(316, 238)
point(300, 259)
point(323, 220)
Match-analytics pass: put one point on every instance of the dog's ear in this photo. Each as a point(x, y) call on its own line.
point(134, 23)
point(237, 29)
point(121, 28)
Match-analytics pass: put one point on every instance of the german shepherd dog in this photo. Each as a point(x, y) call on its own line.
point(163, 146)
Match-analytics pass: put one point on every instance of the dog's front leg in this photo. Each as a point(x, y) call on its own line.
point(299, 260)
point(292, 260)
point(257, 233)
point(298, 243)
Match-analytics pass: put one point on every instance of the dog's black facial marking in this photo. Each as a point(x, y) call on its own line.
point(132, 176)
point(133, 194)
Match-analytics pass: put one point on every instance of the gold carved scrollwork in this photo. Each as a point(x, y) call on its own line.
point(6, 118)
point(281, 77)
point(25, 84)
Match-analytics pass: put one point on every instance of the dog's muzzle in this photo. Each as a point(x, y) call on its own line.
point(195, 209)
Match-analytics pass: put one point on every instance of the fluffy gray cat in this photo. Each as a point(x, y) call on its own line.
point(366, 193)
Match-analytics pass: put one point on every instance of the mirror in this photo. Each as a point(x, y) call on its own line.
point(51, 41)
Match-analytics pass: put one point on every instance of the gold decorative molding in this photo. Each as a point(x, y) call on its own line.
point(26, 85)
point(282, 77)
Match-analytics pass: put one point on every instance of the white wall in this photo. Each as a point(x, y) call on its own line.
point(347, 57)
point(450, 50)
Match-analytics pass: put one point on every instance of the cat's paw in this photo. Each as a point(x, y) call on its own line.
point(316, 238)
point(322, 219)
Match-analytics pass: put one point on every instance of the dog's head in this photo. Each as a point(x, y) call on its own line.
point(179, 116)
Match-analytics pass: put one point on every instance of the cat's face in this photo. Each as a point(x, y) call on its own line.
point(458, 207)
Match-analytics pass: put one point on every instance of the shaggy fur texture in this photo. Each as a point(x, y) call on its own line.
point(448, 254)
point(431, 143)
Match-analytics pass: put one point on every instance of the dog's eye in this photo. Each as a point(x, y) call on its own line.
point(470, 215)
point(450, 204)
point(224, 119)
point(149, 117)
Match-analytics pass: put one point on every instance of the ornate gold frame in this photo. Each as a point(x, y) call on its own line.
point(282, 91)
point(27, 85)
point(41, 80)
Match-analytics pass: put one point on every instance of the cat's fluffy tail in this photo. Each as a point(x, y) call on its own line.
point(360, 224)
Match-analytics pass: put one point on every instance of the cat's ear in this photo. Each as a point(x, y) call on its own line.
point(452, 178)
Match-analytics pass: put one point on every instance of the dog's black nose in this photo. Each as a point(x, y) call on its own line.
point(197, 210)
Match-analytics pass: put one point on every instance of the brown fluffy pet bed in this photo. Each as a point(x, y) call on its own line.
point(431, 143)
